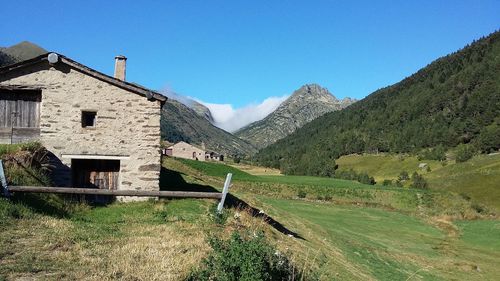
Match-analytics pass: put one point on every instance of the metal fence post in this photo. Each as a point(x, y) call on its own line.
point(3, 182)
point(227, 183)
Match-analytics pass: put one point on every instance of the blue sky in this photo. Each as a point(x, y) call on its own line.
point(242, 52)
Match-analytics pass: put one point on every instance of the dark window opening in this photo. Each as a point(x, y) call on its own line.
point(88, 119)
point(96, 173)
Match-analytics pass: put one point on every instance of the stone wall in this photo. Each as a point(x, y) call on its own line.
point(127, 124)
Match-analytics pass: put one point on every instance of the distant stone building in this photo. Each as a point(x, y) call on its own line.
point(102, 131)
point(214, 156)
point(186, 151)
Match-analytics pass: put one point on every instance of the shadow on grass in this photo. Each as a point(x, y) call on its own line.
point(47, 204)
point(173, 181)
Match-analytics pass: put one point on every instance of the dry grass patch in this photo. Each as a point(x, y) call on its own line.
point(168, 255)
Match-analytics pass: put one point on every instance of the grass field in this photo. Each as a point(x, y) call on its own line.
point(384, 166)
point(133, 241)
point(365, 232)
point(373, 244)
point(478, 178)
point(350, 231)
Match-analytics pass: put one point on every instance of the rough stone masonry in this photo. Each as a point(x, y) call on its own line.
point(127, 125)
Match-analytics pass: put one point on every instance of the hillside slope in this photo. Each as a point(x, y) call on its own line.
point(455, 99)
point(477, 178)
point(19, 52)
point(181, 123)
point(303, 106)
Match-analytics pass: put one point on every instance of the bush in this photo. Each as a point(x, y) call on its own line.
point(302, 194)
point(464, 152)
point(403, 176)
point(354, 176)
point(245, 258)
point(418, 181)
point(219, 218)
point(387, 182)
point(437, 153)
point(237, 159)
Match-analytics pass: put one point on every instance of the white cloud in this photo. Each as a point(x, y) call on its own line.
point(231, 119)
point(170, 93)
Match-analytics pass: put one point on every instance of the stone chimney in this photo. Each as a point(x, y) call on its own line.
point(120, 65)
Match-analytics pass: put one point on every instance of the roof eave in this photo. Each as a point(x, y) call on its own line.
point(89, 71)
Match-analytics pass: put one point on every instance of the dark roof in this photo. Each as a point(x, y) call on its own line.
point(132, 87)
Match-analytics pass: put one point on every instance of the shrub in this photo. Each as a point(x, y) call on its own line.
point(237, 159)
point(354, 176)
point(365, 178)
point(219, 218)
point(437, 153)
point(464, 152)
point(244, 258)
point(403, 176)
point(387, 182)
point(302, 194)
point(418, 181)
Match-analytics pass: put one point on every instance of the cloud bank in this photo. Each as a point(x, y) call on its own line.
point(231, 119)
point(226, 116)
point(171, 94)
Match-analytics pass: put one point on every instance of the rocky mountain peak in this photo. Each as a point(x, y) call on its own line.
point(305, 104)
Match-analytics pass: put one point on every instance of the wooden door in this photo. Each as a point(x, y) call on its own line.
point(102, 174)
point(19, 115)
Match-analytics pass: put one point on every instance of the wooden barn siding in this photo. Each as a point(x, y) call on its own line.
point(19, 116)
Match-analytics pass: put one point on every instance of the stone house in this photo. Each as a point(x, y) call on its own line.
point(186, 151)
point(100, 130)
point(214, 156)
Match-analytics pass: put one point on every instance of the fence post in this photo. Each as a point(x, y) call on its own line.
point(224, 192)
point(3, 182)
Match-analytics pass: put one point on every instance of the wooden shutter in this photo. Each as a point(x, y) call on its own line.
point(19, 115)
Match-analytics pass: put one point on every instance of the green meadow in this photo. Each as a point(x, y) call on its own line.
point(354, 231)
point(344, 230)
point(477, 178)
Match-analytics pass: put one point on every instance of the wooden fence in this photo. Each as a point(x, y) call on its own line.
point(6, 191)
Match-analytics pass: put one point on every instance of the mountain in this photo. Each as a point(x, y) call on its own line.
point(303, 106)
point(19, 52)
point(201, 110)
point(182, 123)
point(454, 100)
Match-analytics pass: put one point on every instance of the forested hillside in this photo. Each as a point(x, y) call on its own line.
point(454, 100)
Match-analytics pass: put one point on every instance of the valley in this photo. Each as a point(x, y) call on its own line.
point(346, 230)
point(403, 184)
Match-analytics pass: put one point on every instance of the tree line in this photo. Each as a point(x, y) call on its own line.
point(452, 102)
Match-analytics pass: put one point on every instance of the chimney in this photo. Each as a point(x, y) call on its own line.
point(120, 65)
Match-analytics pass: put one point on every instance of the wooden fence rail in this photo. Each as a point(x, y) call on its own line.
point(6, 190)
point(95, 191)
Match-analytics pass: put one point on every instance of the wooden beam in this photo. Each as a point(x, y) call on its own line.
point(95, 191)
point(227, 183)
